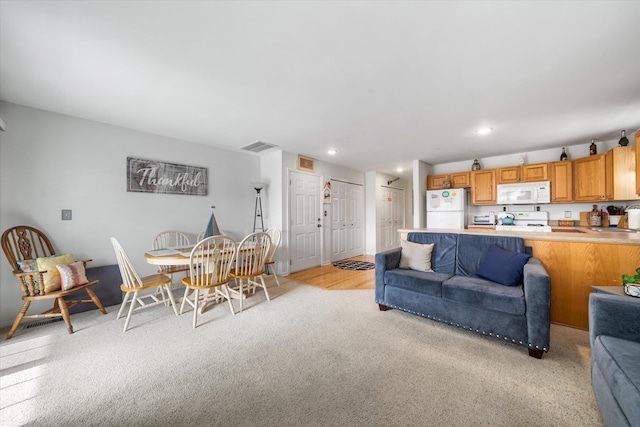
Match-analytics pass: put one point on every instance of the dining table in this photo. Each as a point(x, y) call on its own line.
point(169, 256)
point(177, 256)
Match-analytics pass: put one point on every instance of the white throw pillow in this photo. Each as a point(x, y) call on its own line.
point(415, 256)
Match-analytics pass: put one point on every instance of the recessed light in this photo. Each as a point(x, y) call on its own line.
point(332, 152)
point(399, 170)
point(484, 131)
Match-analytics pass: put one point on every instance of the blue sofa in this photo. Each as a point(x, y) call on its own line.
point(454, 294)
point(614, 332)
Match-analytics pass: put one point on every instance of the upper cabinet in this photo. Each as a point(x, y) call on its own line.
point(436, 182)
point(524, 173)
point(456, 180)
point(508, 175)
point(589, 179)
point(461, 180)
point(608, 176)
point(624, 173)
point(536, 172)
point(483, 187)
point(561, 177)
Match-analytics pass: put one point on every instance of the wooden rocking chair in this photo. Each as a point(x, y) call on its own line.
point(25, 243)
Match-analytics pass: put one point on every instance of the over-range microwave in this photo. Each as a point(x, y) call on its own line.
point(526, 193)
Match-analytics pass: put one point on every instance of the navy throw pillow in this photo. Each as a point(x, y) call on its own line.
point(502, 266)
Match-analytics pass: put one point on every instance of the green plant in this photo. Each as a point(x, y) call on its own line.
point(631, 279)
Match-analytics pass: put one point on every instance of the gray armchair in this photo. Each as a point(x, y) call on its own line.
point(614, 332)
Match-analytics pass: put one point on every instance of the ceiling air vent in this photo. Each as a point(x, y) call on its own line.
point(258, 147)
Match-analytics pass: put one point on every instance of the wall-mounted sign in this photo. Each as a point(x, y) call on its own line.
point(150, 176)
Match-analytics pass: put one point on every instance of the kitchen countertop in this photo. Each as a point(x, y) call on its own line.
point(579, 234)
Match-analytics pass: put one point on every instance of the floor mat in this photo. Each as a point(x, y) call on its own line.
point(354, 265)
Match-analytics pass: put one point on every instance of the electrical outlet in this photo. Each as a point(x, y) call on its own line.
point(567, 214)
point(66, 214)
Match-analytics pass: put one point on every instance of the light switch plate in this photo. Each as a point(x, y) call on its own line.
point(567, 214)
point(66, 214)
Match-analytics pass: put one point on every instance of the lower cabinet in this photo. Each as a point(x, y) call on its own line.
point(575, 266)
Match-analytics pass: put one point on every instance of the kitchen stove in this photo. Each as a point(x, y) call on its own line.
point(525, 221)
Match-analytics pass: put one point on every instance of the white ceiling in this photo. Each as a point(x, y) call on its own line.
point(382, 82)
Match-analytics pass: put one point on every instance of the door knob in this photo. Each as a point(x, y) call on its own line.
point(319, 225)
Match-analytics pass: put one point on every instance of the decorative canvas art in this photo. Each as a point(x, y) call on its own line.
point(151, 176)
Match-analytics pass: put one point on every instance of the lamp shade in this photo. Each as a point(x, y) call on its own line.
point(258, 185)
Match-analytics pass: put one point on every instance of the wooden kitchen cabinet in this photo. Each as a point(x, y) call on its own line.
point(622, 173)
point(483, 187)
point(575, 266)
point(608, 176)
point(461, 180)
point(535, 172)
point(525, 173)
point(561, 177)
point(436, 182)
point(508, 175)
point(589, 179)
point(457, 180)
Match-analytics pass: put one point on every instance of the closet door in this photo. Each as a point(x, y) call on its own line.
point(347, 211)
point(390, 211)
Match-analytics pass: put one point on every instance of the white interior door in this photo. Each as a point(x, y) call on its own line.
point(347, 211)
point(390, 210)
point(304, 220)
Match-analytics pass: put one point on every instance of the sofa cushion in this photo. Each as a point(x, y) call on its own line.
point(617, 360)
point(503, 266)
point(415, 256)
point(443, 257)
point(471, 250)
point(429, 283)
point(484, 293)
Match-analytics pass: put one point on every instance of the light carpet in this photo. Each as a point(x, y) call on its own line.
point(310, 357)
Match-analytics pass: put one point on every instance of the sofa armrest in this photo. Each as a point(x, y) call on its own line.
point(614, 315)
point(537, 294)
point(387, 260)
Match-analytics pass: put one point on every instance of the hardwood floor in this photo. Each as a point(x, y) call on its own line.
point(332, 278)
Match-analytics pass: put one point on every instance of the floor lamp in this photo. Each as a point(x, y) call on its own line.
point(258, 210)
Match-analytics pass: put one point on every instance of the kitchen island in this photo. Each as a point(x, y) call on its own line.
point(576, 259)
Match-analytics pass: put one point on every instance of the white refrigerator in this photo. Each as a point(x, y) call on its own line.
point(447, 208)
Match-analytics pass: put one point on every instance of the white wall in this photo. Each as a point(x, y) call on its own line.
point(370, 213)
point(271, 173)
point(419, 190)
point(50, 162)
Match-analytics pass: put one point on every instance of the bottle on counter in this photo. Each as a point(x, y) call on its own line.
point(593, 148)
point(563, 156)
point(595, 217)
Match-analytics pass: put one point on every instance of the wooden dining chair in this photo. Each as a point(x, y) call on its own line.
point(171, 239)
point(210, 263)
point(23, 245)
point(276, 235)
point(132, 286)
point(251, 256)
